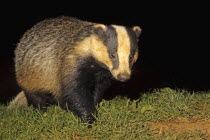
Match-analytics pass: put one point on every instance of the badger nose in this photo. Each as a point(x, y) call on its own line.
point(123, 77)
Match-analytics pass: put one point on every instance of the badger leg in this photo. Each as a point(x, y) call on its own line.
point(80, 101)
point(77, 92)
point(40, 100)
point(102, 83)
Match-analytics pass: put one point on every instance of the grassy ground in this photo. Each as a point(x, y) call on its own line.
point(119, 118)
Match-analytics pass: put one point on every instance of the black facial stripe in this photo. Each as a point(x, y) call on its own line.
point(133, 43)
point(111, 42)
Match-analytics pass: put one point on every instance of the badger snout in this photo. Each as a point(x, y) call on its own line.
point(123, 77)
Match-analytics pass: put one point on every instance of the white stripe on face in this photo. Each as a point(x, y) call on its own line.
point(123, 51)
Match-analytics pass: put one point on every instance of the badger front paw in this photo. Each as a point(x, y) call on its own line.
point(88, 118)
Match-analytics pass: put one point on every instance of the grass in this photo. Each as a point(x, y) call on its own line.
point(119, 118)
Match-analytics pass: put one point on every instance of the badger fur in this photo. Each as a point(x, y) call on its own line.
point(70, 62)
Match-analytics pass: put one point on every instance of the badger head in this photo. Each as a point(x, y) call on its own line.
point(116, 49)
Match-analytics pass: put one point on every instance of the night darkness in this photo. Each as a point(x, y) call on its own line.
point(172, 53)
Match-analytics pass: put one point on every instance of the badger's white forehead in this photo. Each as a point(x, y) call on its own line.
point(123, 39)
point(123, 48)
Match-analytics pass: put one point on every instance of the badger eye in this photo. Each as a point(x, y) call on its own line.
point(113, 56)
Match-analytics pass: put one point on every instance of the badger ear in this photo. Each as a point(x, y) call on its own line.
point(137, 30)
point(99, 29)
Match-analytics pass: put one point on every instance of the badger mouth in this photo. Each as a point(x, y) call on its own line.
point(122, 77)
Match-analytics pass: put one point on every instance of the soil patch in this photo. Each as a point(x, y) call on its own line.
point(182, 125)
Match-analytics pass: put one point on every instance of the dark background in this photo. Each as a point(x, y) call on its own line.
point(173, 52)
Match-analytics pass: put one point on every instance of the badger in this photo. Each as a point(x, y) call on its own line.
point(70, 62)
